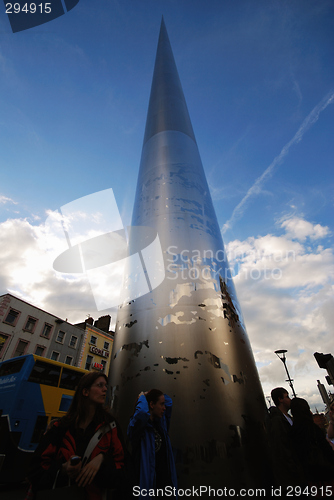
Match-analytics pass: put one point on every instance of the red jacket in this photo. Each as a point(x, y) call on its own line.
point(59, 444)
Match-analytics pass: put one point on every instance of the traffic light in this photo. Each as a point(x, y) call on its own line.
point(322, 359)
point(326, 361)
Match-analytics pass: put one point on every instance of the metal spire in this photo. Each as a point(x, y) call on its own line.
point(187, 336)
point(167, 108)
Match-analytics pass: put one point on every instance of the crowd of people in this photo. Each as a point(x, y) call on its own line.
point(83, 456)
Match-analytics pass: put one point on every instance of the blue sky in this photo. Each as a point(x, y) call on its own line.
point(73, 102)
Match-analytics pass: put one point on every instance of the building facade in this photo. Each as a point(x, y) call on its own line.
point(26, 329)
point(96, 346)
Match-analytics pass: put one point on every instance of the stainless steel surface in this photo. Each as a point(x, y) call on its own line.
point(187, 336)
point(167, 108)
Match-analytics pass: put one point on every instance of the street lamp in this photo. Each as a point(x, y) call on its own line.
point(281, 355)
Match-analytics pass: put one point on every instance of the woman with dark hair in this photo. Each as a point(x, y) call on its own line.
point(310, 445)
point(151, 446)
point(83, 446)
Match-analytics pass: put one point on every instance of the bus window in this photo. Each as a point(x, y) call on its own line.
point(11, 367)
point(45, 374)
point(40, 427)
point(70, 379)
point(65, 402)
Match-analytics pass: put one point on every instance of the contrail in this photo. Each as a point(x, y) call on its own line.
point(256, 188)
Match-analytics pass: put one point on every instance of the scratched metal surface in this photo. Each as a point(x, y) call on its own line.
point(187, 336)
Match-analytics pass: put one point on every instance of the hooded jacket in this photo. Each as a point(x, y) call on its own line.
point(141, 435)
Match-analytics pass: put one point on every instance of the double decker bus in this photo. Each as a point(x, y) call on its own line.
point(33, 390)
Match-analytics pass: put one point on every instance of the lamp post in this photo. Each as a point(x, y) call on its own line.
point(281, 355)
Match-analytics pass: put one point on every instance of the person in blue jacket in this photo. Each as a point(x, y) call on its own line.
point(151, 446)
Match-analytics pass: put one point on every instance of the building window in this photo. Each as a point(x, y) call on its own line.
point(68, 360)
point(88, 362)
point(12, 317)
point(106, 346)
point(39, 351)
point(93, 340)
point(55, 356)
point(3, 340)
point(46, 331)
point(73, 341)
point(30, 324)
point(104, 364)
point(60, 337)
point(21, 348)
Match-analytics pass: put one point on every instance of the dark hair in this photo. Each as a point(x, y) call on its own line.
point(153, 395)
point(300, 410)
point(277, 394)
point(77, 410)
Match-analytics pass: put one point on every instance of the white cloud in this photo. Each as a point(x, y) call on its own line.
point(28, 260)
point(5, 199)
point(286, 295)
point(27, 272)
point(300, 229)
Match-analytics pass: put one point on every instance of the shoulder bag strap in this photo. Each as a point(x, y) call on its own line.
point(95, 440)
